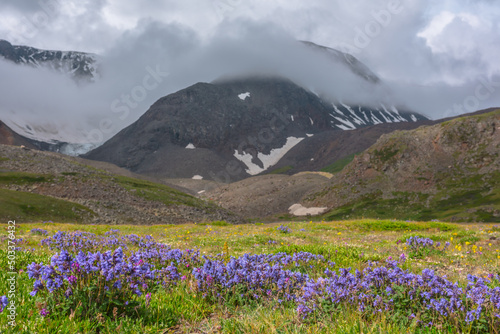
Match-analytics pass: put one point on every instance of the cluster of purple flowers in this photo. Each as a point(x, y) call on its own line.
point(65, 271)
point(432, 296)
point(259, 276)
point(39, 231)
point(419, 242)
point(4, 301)
point(112, 231)
point(153, 263)
point(420, 246)
point(86, 241)
point(284, 229)
point(377, 288)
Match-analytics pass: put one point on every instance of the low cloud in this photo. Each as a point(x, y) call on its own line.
point(434, 67)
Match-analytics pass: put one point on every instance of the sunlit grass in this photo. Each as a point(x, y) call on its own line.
point(474, 249)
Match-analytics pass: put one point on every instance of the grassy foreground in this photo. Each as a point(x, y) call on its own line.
point(191, 301)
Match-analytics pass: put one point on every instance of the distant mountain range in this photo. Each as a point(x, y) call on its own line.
point(80, 66)
point(226, 130)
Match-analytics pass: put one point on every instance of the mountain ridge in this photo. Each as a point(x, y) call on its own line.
point(238, 127)
point(80, 66)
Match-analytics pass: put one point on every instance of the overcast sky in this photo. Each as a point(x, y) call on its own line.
point(439, 58)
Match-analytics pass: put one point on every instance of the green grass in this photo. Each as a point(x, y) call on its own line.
point(158, 192)
point(20, 178)
point(282, 170)
point(385, 154)
point(181, 309)
point(338, 165)
point(23, 206)
point(473, 203)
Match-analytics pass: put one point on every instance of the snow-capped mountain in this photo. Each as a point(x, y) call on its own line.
point(80, 66)
point(212, 125)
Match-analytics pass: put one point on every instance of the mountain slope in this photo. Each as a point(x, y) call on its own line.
point(78, 65)
point(37, 185)
point(10, 137)
point(229, 130)
point(327, 148)
point(348, 60)
point(86, 67)
point(447, 171)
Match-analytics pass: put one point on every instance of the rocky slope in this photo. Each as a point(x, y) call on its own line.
point(37, 185)
point(265, 196)
point(446, 171)
point(230, 130)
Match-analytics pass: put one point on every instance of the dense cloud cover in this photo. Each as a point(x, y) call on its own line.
point(435, 58)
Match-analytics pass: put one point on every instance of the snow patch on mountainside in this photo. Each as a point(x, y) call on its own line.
point(299, 210)
point(243, 96)
point(267, 160)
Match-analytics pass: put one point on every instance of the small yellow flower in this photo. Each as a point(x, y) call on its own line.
point(339, 233)
point(467, 243)
point(489, 244)
point(451, 239)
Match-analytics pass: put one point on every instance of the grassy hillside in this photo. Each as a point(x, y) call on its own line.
point(449, 171)
point(185, 296)
point(38, 186)
point(338, 165)
point(23, 206)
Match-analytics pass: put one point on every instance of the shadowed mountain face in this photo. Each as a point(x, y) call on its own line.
point(229, 130)
point(80, 66)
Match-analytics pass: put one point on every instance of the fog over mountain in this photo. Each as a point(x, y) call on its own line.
point(436, 59)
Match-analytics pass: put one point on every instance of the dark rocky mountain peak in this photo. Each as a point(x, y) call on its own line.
point(233, 128)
